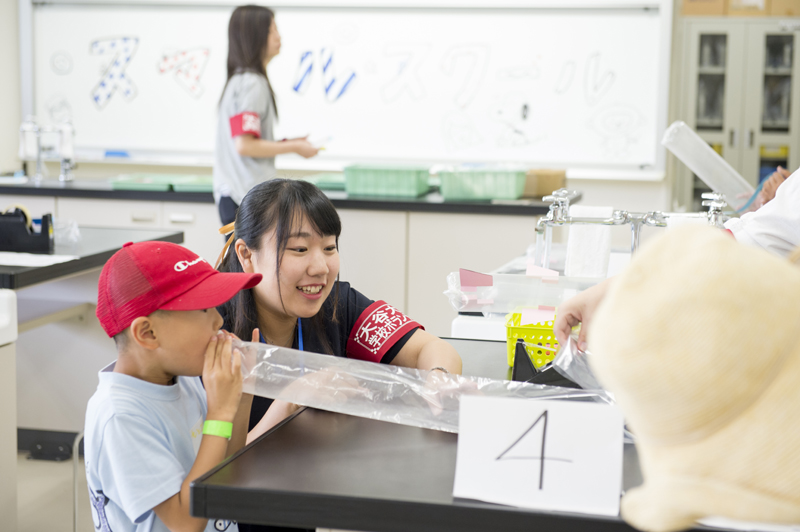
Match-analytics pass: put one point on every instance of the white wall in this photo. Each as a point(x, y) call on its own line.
point(10, 106)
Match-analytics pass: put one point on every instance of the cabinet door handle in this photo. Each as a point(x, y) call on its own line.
point(733, 138)
point(181, 218)
point(143, 216)
point(751, 138)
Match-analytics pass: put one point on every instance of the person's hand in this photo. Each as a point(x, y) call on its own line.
point(304, 148)
point(771, 185)
point(222, 378)
point(576, 310)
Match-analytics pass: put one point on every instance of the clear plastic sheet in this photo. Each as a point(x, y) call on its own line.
point(509, 291)
point(701, 159)
point(573, 364)
point(427, 399)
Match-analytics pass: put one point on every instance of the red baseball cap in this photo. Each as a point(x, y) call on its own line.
point(148, 276)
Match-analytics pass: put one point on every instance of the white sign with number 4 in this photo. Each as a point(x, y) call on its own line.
point(546, 455)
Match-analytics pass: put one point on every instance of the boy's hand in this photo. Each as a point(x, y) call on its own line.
point(222, 378)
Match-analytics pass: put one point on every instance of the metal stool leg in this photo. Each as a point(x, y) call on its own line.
point(76, 463)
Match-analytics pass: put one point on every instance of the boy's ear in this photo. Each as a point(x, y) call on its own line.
point(245, 256)
point(142, 333)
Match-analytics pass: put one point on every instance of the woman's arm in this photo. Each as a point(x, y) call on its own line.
point(249, 146)
point(277, 412)
point(426, 351)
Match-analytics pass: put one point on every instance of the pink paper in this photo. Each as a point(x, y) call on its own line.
point(474, 279)
point(537, 271)
point(531, 316)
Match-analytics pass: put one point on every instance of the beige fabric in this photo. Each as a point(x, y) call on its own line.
point(699, 340)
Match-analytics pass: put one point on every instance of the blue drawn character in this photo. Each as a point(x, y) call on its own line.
point(303, 74)
point(99, 502)
point(335, 85)
point(113, 78)
point(222, 524)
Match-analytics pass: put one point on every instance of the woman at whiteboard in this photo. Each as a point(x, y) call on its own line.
point(245, 147)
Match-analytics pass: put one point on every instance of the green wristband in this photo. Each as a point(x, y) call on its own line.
point(223, 429)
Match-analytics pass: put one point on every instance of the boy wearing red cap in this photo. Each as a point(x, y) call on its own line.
point(151, 426)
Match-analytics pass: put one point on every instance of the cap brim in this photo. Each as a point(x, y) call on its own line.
point(213, 291)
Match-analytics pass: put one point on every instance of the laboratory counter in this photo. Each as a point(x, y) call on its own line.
point(433, 202)
point(329, 470)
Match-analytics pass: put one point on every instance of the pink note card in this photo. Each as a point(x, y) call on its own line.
point(537, 271)
point(531, 316)
point(474, 279)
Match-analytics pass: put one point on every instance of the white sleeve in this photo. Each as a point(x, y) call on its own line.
point(774, 227)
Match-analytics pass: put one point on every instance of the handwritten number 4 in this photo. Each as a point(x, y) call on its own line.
point(520, 455)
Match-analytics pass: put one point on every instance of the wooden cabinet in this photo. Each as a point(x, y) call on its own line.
point(200, 225)
point(37, 205)
point(111, 213)
point(443, 243)
point(373, 250)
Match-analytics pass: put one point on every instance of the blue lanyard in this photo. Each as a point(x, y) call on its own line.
point(299, 335)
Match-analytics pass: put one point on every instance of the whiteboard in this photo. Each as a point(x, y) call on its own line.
point(568, 88)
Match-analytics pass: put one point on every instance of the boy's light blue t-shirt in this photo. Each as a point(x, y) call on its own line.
point(140, 442)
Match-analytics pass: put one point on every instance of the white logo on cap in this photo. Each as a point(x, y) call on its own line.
point(184, 264)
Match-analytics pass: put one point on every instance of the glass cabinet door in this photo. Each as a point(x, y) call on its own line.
point(714, 78)
point(711, 82)
point(772, 94)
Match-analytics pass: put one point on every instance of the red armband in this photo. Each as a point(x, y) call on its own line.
point(246, 123)
point(378, 328)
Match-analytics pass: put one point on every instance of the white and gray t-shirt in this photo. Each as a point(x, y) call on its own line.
point(246, 108)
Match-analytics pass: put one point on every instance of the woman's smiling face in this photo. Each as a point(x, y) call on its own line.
point(308, 269)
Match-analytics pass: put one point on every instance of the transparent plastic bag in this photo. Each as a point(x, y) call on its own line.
point(66, 232)
point(509, 291)
point(427, 399)
point(573, 364)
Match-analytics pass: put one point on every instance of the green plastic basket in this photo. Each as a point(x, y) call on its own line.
point(193, 183)
point(482, 184)
point(327, 181)
point(163, 182)
point(408, 181)
point(158, 182)
point(540, 340)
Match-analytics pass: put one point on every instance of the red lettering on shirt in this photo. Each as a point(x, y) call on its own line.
point(246, 123)
point(378, 328)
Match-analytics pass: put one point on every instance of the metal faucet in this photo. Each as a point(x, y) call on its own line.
point(66, 170)
point(558, 216)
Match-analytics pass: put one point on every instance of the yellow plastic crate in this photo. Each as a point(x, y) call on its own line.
point(537, 336)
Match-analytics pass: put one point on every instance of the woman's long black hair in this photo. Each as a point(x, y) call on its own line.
point(279, 204)
point(248, 33)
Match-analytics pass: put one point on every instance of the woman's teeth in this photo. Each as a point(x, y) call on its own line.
point(310, 289)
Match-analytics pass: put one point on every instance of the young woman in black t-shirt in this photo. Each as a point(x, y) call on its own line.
point(288, 231)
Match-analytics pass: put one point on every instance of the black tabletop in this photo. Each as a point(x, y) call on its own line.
point(94, 248)
point(432, 202)
point(321, 469)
